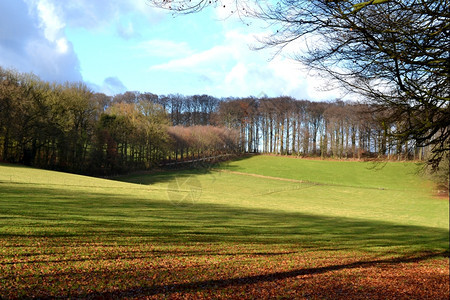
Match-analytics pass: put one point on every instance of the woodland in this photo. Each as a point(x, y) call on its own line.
point(71, 128)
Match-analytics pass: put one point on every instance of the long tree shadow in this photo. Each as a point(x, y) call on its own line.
point(59, 213)
point(214, 284)
point(166, 174)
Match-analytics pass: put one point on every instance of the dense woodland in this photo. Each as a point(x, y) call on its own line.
point(69, 127)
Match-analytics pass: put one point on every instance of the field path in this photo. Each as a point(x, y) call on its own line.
point(267, 177)
point(302, 181)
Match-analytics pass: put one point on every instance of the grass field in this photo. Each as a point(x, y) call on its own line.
point(259, 227)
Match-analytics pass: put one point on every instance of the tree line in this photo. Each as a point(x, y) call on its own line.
point(337, 129)
point(284, 125)
point(69, 127)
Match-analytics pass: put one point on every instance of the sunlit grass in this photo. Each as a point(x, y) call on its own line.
point(381, 175)
point(59, 231)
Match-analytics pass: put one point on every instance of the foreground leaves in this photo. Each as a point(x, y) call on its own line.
point(136, 268)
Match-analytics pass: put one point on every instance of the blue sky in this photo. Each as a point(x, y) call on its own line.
point(120, 45)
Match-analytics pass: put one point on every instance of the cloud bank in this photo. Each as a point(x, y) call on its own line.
point(32, 37)
point(233, 69)
point(127, 38)
point(32, 40)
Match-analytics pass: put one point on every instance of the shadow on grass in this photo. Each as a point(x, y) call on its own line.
point(40, 212)
point(159, 176)
point(167, 174)
point(215, 284)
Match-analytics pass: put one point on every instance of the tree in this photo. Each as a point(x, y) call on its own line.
point(394, 53)
point(10, 96)
point(152, 122)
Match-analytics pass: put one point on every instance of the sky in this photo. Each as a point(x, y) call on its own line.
point(126, 45)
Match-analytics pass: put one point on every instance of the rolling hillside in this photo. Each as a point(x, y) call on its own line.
point(194, 228)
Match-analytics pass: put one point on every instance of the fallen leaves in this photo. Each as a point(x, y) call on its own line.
point(65, 267)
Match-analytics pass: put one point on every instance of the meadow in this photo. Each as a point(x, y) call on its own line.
point(255, 228)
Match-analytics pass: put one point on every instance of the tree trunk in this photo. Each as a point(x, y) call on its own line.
point(6, 145)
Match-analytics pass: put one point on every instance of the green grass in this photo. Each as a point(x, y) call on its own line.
point(393, 192)
point(57, 223)
point(381, 175)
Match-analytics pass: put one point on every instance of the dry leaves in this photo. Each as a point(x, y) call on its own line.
point(140, 269)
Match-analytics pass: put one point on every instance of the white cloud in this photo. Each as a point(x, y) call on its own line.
point(50, 20)
point(237, 74)
point(164, 48)
point(46, 61)
point(235, 70)
point(33, 32)
point(34, 41)
point(62, 45)
point(206, 61)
